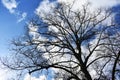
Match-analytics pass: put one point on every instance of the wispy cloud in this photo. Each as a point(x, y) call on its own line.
point(11, 5)
point(22, 17)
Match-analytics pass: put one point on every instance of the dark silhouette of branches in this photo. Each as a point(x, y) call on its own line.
point(75, 42)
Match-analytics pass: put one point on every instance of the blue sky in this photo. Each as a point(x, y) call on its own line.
point(15, 13)
point(10, 26)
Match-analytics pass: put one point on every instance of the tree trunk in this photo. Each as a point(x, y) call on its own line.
point(86, 73)
point(83, 68)
point(114, 66)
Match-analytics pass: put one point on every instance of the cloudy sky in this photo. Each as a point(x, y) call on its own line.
point(14, 14)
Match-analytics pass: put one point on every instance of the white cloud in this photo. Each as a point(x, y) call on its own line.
point(11, 5)
point(29, 77)
point(22, 17)
point(77, 3)
point(5, 73)
point(95, 3)
point(104, 3)
point(45, 6)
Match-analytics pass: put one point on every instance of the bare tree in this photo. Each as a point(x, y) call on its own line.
point(75, 42)
point(113, 46)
